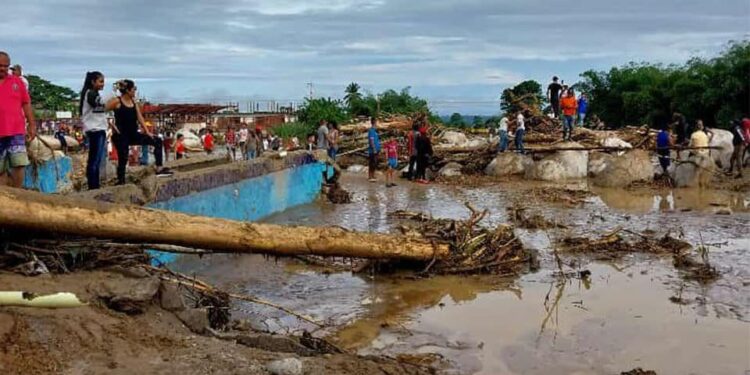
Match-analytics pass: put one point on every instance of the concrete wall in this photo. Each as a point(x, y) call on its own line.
point(51, 176)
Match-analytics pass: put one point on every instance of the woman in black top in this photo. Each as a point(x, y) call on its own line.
point(424, 152)
point(128, 120)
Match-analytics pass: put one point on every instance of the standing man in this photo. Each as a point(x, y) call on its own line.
point(323, 135)
point(664, 144)
point(569, 106)
point(243, 136)
point(411, 148)
point(583, 106)
point(520, 131)
point(373, 149)
point(680, 126)
point(18, 72)
point(738, 141)
point(699, 139)
point(553, 95)
point(15, 113)
point(231, 141)
point(502, 143)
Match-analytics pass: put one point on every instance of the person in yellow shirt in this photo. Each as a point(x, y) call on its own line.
point(699, 139)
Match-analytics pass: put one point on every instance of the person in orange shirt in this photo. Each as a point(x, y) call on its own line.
point(569, 106)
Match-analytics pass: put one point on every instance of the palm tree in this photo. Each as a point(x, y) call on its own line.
point(352, 95)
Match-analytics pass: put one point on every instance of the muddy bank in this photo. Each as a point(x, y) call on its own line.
point(95, 339)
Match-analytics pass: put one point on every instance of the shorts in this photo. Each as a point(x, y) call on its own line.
point(393, 163)
point(13, 152)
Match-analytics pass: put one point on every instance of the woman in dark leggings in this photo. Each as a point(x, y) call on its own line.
point(128, 119)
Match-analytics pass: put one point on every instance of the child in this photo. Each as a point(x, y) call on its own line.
point(391, 151)
point(208, 142)
point(180, 147)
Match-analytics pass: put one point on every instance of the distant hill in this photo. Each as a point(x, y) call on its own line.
point(468, 119)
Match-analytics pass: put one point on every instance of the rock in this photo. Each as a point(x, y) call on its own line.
point(616, 142)
point(562, 165)
point(723, 211)
point(287, 366)
point(508, 164)
point(625, 169)
point(696, 171)
point(721, 138)
point(450, 170)
point(130, 296)
point(475, 143)
point(195, 319)
point(170, 297)
point(454, 138)
point(597, 162)
point(356, 168)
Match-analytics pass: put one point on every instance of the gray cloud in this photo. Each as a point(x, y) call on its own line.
point(445, 49)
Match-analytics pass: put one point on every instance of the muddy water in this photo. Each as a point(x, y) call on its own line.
point(623, 318)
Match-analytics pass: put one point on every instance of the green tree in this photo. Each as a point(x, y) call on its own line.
point(391, 102)
point(48, 97)
point(527, 92)
point(314, 110)
point(456, 120)
point(477, 122)
point(353, 97)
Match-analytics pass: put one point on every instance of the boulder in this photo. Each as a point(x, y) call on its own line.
point(454, 138)
point(450, 170)
point(696, 171)
point(170, 297)
point(509, 164)
point(130, 296)
point(625, 169)
point(356, 168)
point(721, 138)
point(286, 366)
point(562, 165)
point(597, 162)
point(616, 142)
point(195, 319)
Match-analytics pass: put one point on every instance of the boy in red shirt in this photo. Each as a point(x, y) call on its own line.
point(208, 142)
point(391, 151)
point(179, 147)
point(15, 112)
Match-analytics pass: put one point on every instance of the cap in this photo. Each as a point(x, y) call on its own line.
point(14, 67)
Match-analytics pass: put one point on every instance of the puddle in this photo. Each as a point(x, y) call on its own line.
point(488, 325)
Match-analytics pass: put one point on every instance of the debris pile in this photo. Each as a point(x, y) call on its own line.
point(519, 215)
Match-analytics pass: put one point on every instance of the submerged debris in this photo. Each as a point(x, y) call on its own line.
point(568, 197)
point(519, 215)
point(337, 195)
point(473, 249)
point(638, 371)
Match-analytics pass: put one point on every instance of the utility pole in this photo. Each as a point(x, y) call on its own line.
point(310, 86)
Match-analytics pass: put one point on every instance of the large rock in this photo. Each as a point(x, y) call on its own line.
point(195, 319)
point(562, 165)
point(454, 138)
point(287, 366)
point(598, 162)
point(130, 296)
point(450, 170)
point(508, 164)
point(696, 171)
point(170, 297)
point(722, 138)
point(616, 142)
point(623, 170)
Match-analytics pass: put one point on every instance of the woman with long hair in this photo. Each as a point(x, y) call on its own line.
point(94, 117)
point(128, 120)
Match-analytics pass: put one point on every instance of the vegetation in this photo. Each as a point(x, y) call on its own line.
point(456, 121)
point(714, 90)
point(293, 129)
point(314, 110)
point(46, 96)
point(353, 97)
point(527, 92)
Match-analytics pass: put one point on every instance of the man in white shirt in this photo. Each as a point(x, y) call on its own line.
point(502, 131)
point(242, 139)
point(18, 72)
point(520, 131)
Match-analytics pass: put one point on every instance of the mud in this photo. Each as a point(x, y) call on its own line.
point(632, 311)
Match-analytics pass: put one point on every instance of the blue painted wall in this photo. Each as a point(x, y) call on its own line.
point(51, 176)
point(251, 199)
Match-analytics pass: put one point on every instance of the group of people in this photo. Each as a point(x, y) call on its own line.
point(327, 138)
point(249, 143)
point(561, 97)
point(699, 140)
point(418, 148)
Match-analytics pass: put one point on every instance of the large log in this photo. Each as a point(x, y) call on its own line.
point(26, 210)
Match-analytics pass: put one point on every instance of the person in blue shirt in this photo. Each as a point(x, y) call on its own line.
point(373, 149)
point(583, 106)
point(664, 144)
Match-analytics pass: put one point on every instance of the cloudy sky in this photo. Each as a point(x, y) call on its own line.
point(459, 54)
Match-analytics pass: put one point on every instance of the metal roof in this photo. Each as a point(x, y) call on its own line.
point(179, 109)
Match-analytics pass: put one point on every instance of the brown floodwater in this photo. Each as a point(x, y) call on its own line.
point(633, 312)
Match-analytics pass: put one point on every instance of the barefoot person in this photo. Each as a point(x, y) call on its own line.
point(391, 151)
point(128, 120)
point(15, 113)
point(95, 124)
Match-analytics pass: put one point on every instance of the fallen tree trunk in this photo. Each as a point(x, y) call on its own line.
point(26, 210)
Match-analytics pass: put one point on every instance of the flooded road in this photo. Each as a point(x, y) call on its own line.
point(633, 312)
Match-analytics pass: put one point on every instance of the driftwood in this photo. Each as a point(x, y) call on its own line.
point(33, 211)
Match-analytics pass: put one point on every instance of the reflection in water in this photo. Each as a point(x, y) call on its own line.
point(623, 319)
